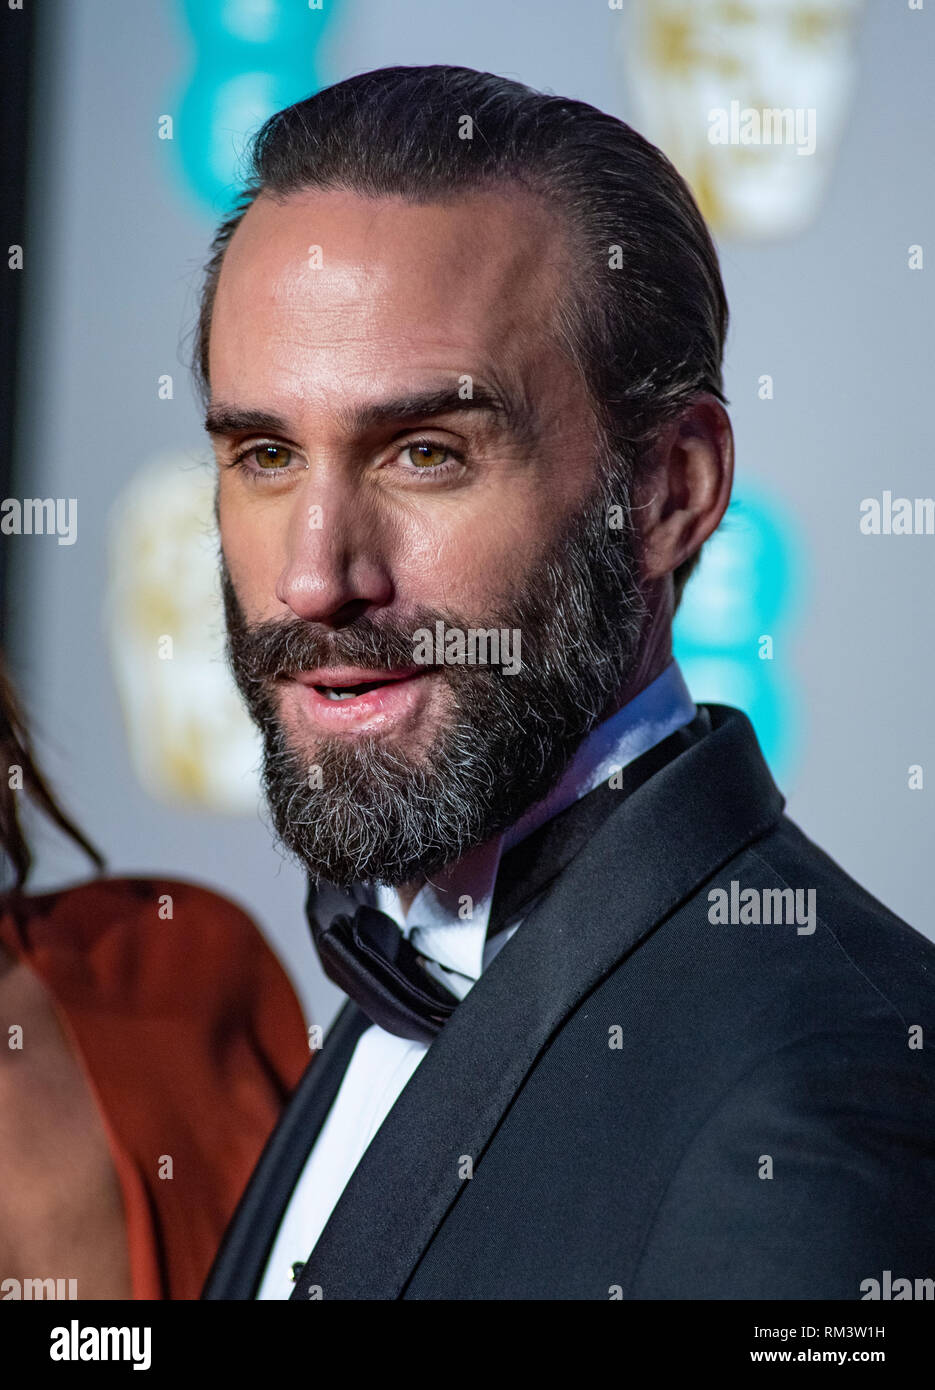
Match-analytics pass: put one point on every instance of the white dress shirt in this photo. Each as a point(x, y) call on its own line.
point(439, 924)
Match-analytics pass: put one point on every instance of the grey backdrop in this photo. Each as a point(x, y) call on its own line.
point(834, 315)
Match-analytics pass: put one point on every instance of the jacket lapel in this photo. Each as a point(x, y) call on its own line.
point(245, 1249)
point(648, 856)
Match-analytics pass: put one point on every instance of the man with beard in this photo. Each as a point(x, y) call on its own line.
point(461, 344)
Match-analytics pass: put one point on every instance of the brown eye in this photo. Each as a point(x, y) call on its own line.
point(426, 455)
point(272, 456)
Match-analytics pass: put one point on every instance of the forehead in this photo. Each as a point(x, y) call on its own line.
point(327, 288)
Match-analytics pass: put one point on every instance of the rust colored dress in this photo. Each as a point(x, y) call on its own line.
point(191, 1040)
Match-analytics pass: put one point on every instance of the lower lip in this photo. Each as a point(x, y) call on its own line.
point(382, 707)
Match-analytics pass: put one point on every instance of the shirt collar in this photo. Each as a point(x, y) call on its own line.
point(453, 910)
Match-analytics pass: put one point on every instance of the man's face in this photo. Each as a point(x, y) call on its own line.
point(399, 438)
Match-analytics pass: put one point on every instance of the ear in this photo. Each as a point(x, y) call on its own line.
point(685, 491)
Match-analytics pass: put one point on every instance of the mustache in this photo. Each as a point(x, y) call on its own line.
point(283, 646)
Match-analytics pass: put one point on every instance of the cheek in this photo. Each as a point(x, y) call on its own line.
point(253, 553)
point(468, 560)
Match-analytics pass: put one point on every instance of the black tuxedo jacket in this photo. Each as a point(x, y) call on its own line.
point(637, 1101)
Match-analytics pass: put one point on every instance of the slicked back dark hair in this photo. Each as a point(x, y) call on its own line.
point(646, 316)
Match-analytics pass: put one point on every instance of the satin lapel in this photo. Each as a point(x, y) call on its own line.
point(245, 1249)
point(651, 854)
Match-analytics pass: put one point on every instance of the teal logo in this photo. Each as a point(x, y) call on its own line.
point(250, 59)
point(734, 628)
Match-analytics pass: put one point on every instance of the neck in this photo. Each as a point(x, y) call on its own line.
point(407, 893)
point(655, 653)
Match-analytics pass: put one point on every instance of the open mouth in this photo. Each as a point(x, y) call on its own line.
point(350, 683)
point(348, 692)
point(351, 698)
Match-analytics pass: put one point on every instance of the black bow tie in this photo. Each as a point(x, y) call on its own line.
point(368, 957)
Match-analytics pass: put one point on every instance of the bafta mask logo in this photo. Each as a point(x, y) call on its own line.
point(748, 98)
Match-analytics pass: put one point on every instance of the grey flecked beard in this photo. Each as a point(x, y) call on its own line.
point(382, 815)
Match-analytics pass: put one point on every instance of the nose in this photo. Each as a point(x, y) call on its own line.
point(335, 570)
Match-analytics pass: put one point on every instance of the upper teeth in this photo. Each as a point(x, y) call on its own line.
point(332, 694)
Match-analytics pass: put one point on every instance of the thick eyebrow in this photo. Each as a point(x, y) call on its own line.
point(443, 400)
point(416, 405)
point(231, 419)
